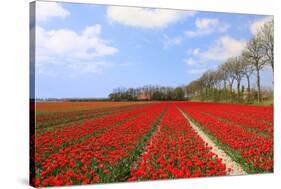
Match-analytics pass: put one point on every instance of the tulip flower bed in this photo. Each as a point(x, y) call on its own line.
point(176, 151)
point(70, 106)
point(257, 119)
point(45, 120)
point(56, 138)
point(151, 141)
point(104, 157)
point(253, 152)
point(259, 113)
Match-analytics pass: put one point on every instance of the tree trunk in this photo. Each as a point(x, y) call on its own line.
point(238, 88)
point(249, 87)
point(231, 95)
point(258, 84)
point(272, 65)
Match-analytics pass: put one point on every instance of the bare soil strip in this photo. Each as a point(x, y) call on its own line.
point(228, 161)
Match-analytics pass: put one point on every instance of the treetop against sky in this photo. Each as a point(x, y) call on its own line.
point(86, 50)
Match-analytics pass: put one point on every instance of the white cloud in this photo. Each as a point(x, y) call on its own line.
point(206, 26)
point(223, 48)
point(256, 25)
point(92, 31)
point(171, 41)
point(145, 17)
point(68, 48)
point(47, 10)
point(205, 23)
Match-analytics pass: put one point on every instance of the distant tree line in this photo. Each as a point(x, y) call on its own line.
point(148, 92)
point(217, 85)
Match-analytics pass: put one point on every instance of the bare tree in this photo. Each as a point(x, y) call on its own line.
point(238, 71)
point(248, 69)
point(266, 35)
point(254, 52)
point(217, 79)
point(229, 69)
point(222, 72)
point(208, 78)
point(258, 53)
point(194, 88)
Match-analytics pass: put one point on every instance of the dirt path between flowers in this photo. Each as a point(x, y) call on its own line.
point(228, 161)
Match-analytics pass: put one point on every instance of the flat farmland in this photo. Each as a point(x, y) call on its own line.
point(101, 142)
point(47, 107)
point(55, 113)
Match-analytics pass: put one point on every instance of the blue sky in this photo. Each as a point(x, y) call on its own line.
point(85, 50)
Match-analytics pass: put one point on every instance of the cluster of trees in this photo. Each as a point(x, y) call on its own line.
point(149, 92)
point(218, 84)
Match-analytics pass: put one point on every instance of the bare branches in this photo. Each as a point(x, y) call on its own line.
point(266, 36)
point(257, 54)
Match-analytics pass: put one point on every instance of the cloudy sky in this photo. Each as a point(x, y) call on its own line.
point(85, 50)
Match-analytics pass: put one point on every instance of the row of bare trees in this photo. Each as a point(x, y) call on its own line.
point(257, 54)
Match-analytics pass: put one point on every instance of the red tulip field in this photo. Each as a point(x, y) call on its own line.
point(136, 141)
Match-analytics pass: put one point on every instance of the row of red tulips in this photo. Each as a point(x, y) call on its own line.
point(259, 113)
point(255, 119)
point(54, 139)
point(102, 157)
point(45, 120)
point(176, 151)
point(253, 152)
point(152, 142)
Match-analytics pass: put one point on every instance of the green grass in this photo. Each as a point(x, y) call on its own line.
point(268, 102)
